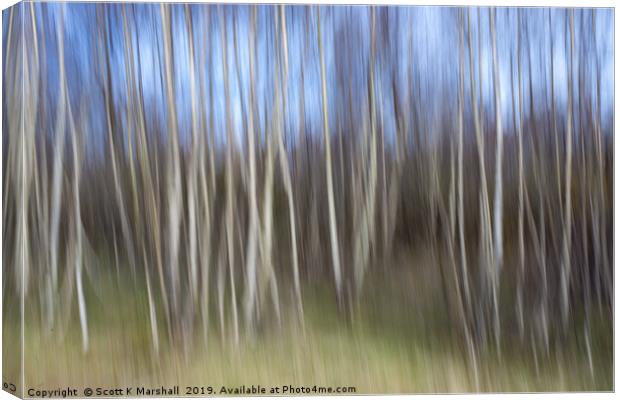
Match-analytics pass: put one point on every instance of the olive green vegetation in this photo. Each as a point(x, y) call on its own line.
point(398, 340)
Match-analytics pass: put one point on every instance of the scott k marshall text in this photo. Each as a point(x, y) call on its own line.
point(133, 391)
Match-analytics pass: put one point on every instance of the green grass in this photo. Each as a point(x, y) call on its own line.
point(395, 344)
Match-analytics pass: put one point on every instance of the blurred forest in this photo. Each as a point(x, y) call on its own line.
point(405, 199)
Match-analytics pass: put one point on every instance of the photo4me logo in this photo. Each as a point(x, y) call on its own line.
point(290, 389)
point(284, 390)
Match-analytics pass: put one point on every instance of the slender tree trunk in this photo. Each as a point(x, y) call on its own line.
point(466, 312)
point(173, 174)
point(78, 231)
point(485, 218)
point(253, 230)
point(333, 232)
point(520, 183)
point(59, 149)
point(366, 230)
point(566, 247)
point(230, 182)
point(498, 199)
point(286, 173)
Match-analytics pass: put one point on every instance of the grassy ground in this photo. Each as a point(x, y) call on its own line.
point(396, 344)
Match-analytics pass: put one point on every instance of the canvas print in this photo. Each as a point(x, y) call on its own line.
point(231, 200)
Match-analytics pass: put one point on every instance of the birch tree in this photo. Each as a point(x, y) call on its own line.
point(567, 231)
point(333, 233)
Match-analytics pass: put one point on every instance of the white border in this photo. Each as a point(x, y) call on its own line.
point(522, 3)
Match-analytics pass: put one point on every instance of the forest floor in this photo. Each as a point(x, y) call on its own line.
point(395, 344)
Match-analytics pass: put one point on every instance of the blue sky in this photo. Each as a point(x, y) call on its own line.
point(423, 40)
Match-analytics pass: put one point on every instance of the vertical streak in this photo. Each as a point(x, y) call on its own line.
point(328, 166)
